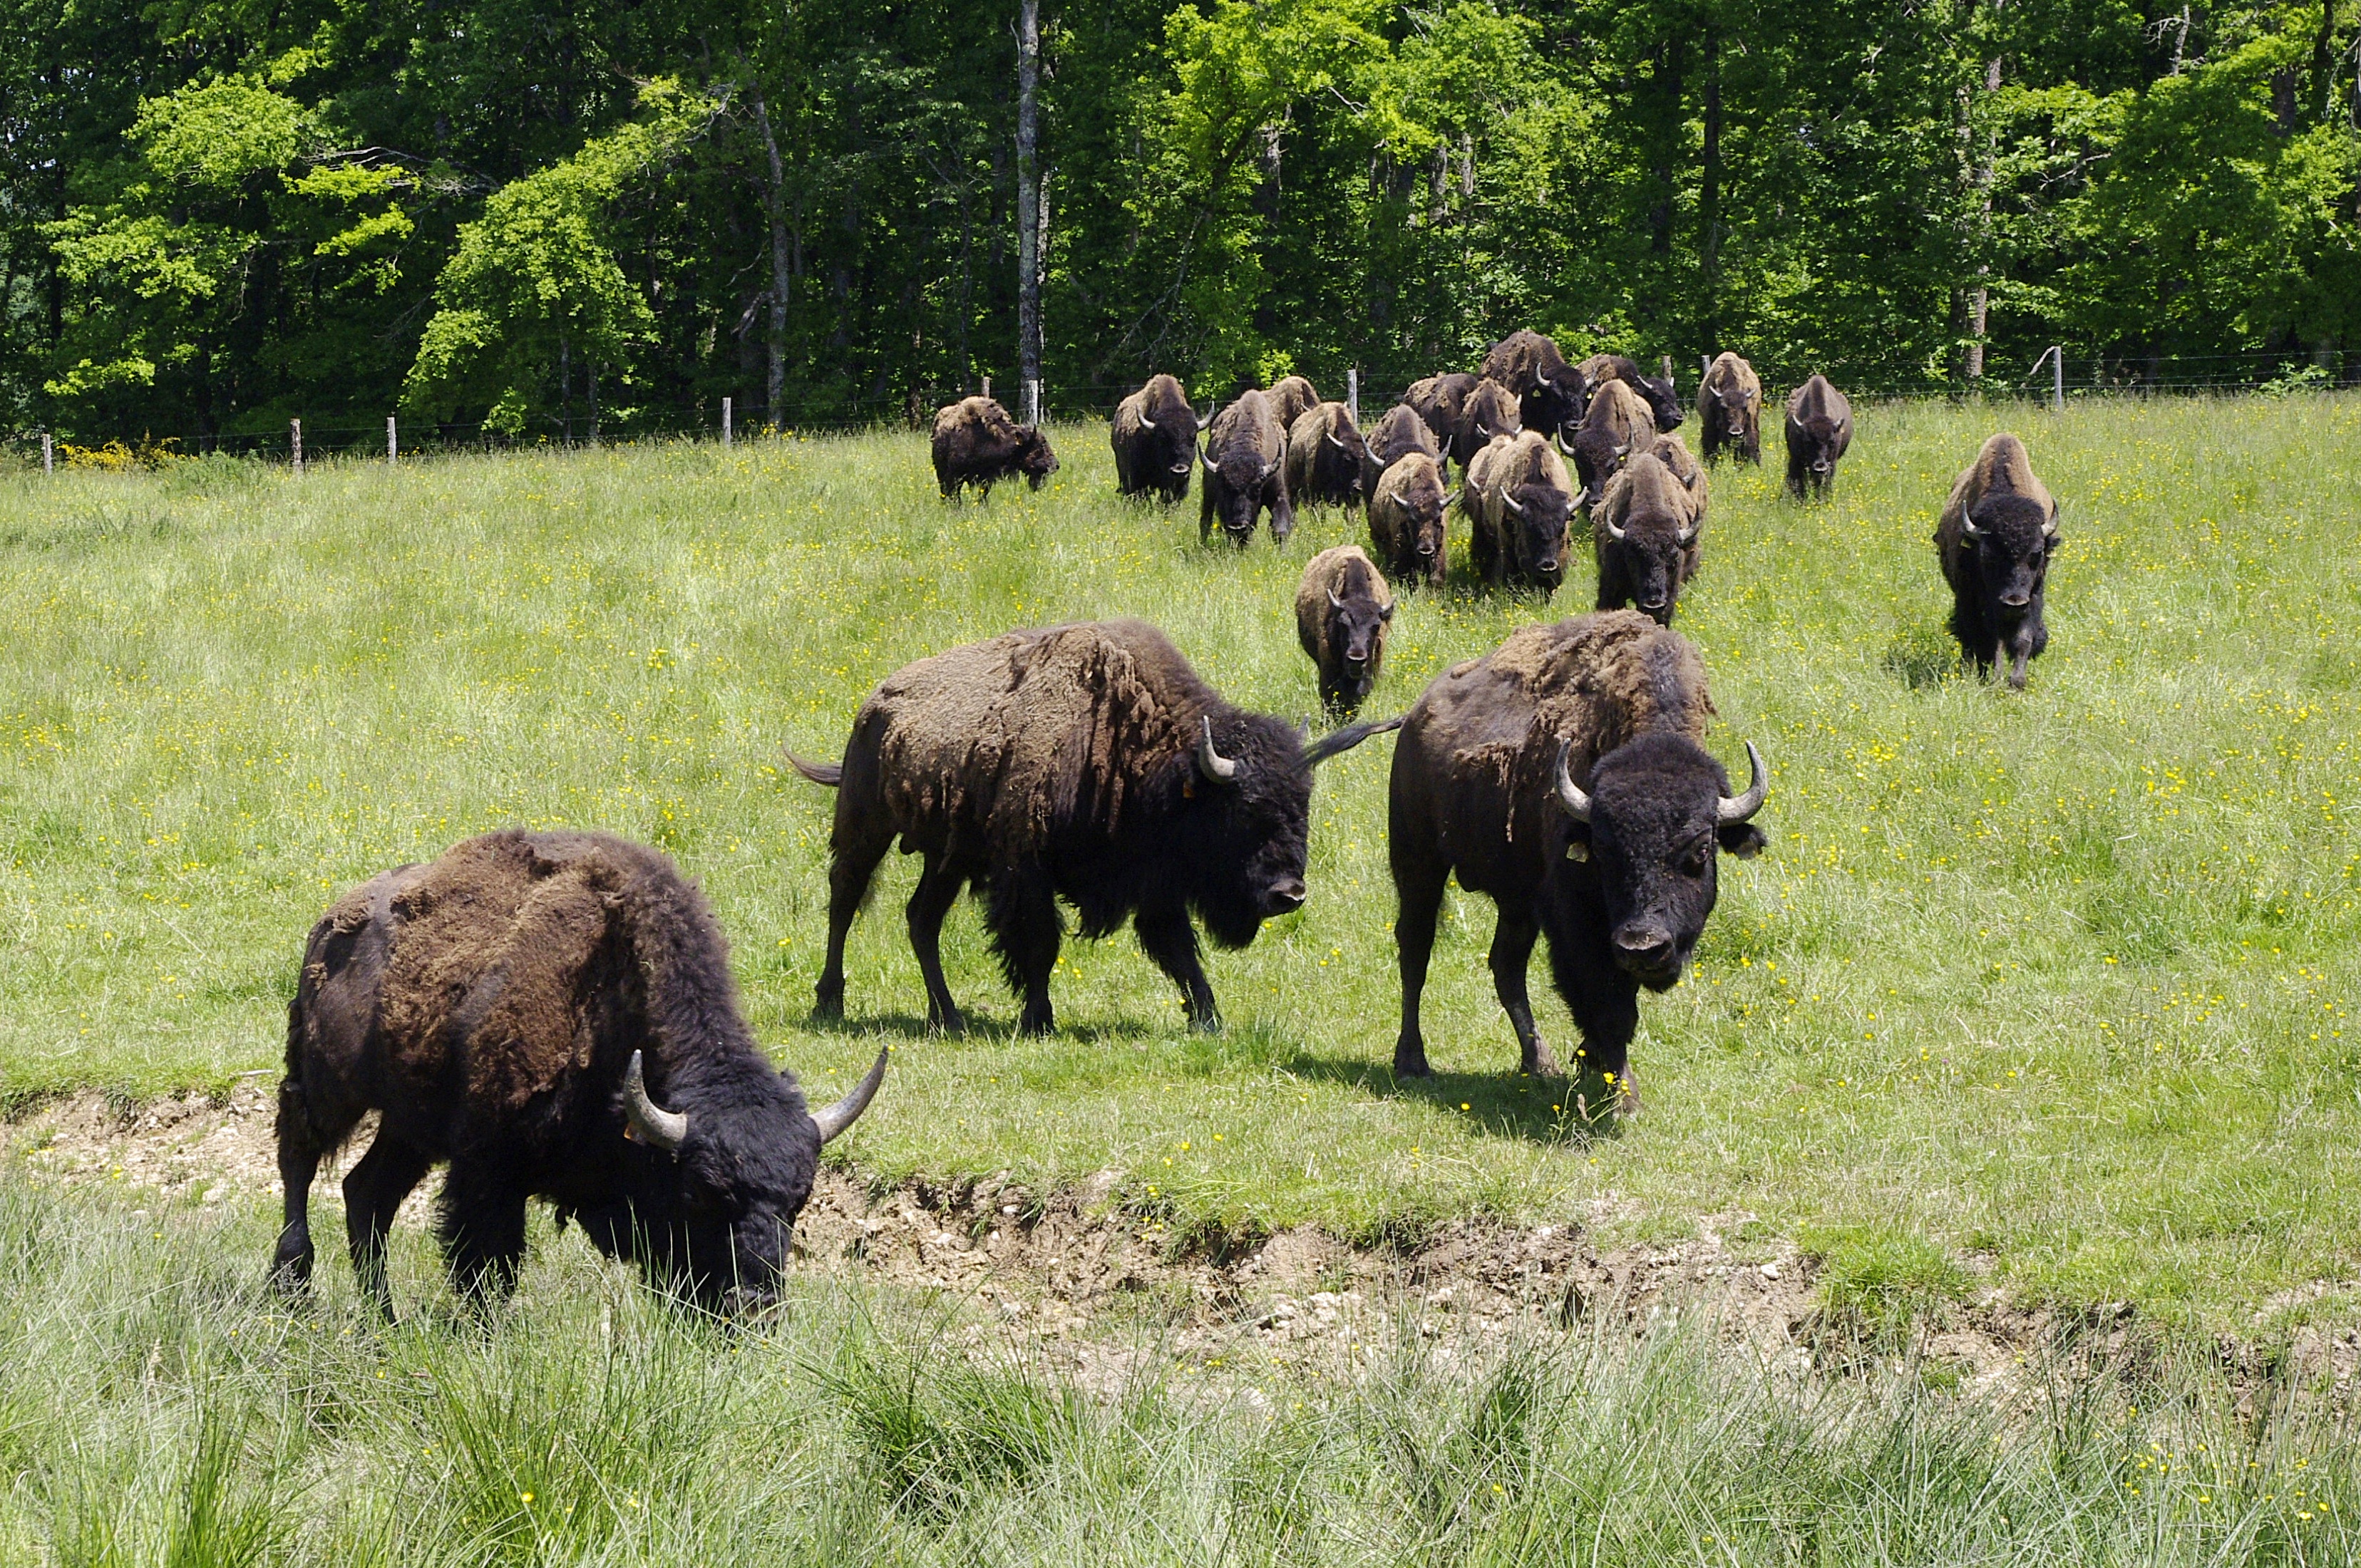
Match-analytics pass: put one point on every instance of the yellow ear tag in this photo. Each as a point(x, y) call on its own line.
point(1575, 849)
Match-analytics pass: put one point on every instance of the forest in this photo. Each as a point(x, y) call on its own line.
point(562, 220)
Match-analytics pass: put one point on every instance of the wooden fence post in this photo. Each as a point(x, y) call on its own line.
point(393, 443)
point(48, 454)
point(987, 386)
point(1033, 402)
point(724, 423)
point(295, 442)
point(1353, 393)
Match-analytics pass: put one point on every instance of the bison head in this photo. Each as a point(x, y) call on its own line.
point(1651, 552)
point(1034, 458)
point(1558, 402)
point(1812, 446)
point(1645, 834)
point(1662, 402)
point(1730, 410)
point(1245, 818)
point(1356, 635)
point(1535, 519)
point(1237, 497)
point(710, 1214)
point(2009, 540)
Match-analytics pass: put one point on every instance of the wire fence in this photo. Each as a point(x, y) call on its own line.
point(2071, 378)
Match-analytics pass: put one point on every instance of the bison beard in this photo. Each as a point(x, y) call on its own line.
point(1619, 875)
point(505, 1008)
point(1087, 763)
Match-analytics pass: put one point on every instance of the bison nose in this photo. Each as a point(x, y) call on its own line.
point(1426, 546)
point(1288, 896)
point(1549, 563)
point(1642, 947)
point(2015, 600)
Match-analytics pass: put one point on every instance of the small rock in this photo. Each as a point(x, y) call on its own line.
point(1770, 1271)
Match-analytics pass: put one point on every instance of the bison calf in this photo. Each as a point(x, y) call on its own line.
point(1155, 440)
point(1325, 458)
point(1341, 610)
point(1646, 533)
point(976, 443)
point(1819, 428)
point(1730, 410)
point(1407, 515)
point(1518, 500)
point(1245, 452)
point(1994, 541)
point(1087, 763)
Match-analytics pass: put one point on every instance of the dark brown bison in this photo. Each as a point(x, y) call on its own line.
point(1491, 411)
point(1246, 470)
point(553, 1013)
point(1400, 432)
point(1407, 519)
point(1994, 541)
point(1341, 610)
point(1565, 776)
point(1326, 456)
point(977, 444)
point(1087, 763)
point(1645, 532)
point(1518, 500)
point(1290, 396)
point(1439, 401)
point(1551, 394)
point(1819, 428)
point(1155, 438)
point(1730, 410)
point(1657, 391)
point(1616, 425)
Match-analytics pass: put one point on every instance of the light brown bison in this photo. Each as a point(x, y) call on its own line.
point(1439, 401)
point(1730, 410)
point(1290, 396)
point(1551, 394)
point(1341, 610)
point(1617, 424)
point(1155, 440)
point(1245, 471)
point(552, 1014)
point(1645, 532)
point(976, 443)
point(1994, 542)
point(1407, 519)
point(1491, 411)
point(1400, 432)
point(1325, 458)
point(1819, 428)
point(1565, 776)
point(1657, 391)
point(1518, 500)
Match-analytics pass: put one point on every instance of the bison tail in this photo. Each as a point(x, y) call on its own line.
point(828, 773)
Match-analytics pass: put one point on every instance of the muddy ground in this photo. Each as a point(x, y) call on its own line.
point(1062, 1264)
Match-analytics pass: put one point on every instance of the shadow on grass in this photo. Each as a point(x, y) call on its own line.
point(980, 1026)
point(1505, 1104)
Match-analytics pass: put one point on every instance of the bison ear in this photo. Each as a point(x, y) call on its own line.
point(1744, 840)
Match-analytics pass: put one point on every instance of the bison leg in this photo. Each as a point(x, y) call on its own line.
point(482, 1229)
point(299, 1163)
point(374, 1189)
point(1513, 954)
point(1604, 1000)
point(1025, 932)
point(1166, 936)
point(1420, 900)
point(848, 873)
point(939, 889)
point(1282, 516)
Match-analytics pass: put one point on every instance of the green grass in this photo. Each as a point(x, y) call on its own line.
point(2059, 979)
point(157, 1406)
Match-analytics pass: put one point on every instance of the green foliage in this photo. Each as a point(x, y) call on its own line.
point(1884, 1279)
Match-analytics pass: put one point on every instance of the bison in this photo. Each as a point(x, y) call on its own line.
point(552, 1014)
point(1819, 428)
point(1645, 532)
point(1518, 499)
point(1325, 456)
point(1245, 458)
point(1730, 410)
point(1155, 438)
point(1551, 394)
point(1565, 776)
point(1341, 610)
point(1489, 410)
point(977, 444)
point(1438, 400)
point(1087, 763)
point(1289, 397)
point(1994, 541)
point(1616, 425)
point(1663, 402)
point(1400, 432)
point(1407, 515)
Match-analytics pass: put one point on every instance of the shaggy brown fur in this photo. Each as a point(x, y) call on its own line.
point(976, 443)
point(1343, 608)
point(1524, 543)
point(1819, 429)
point(1289, 397)
point(1325, 458)
point(1245, 471)
point(1617, 424)
point(1491, 411)
point(1154, 439)
point(2016, 522)
point(1730, 410)
point(1439, 401)
point(1400, 432)
point(1551, 394)
point(1664, 406)
point(1645, 530)
point(1674, 454)
point(1407, 519)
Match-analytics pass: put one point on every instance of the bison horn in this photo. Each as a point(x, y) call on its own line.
point(1336, 444)
point(1332, 600)
point(1511, 501)
point(1146, 422)
point(1729, 813)
point(1614, 532)
point(1570, 797)
point(1210, 762)
point(2050, 528)
point(646, 1121)
point(1203, 422)
point(1968, 529)
point(1689, 534)
point(847, 1110)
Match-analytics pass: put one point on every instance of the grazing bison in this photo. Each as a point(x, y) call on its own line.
point(1289, 397)
point(1518, 499)
point(1551, 394)
point(1155, 437)
point(1819, 428)
point(1341, 610)
point(1087, 763)
point(1730, 410)
point(1244, 457)
point(1663, 402)
point(553, 1013)
point(1491, 411)
point(977, 444)
point(1439, 401)
point(1400, 432)
point(1564, 775)
point(1994, 542)
point(1407, 517)
point(1616, 425)
point(1645, 530)
point(1326, 456)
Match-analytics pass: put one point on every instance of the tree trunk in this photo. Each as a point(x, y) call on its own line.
point(1028, 193)
point(775, 208)
point(564, 390)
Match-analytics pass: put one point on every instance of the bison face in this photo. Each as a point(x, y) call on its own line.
point(1813, 446)
point(1536, 517)
point(1730, 411)
point(2010, 538)
point(1649, 559)
point(1034, 458)
point(1245, 823)
point(1646, 834)
point(1661, 401)
point(1356, 635)
point(1238, 497)
point(1558, 403)
point(1427, 522)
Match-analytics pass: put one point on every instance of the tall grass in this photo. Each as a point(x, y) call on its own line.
point(2061, 980)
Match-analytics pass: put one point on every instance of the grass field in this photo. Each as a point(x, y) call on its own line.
point(2056, 983)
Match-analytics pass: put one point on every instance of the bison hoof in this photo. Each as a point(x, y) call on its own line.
point(1541, 1062)
point(1038, 1024)
point(1410, 1061)
point(827, 1006)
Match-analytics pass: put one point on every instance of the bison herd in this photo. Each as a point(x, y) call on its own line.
point(552, 1014)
